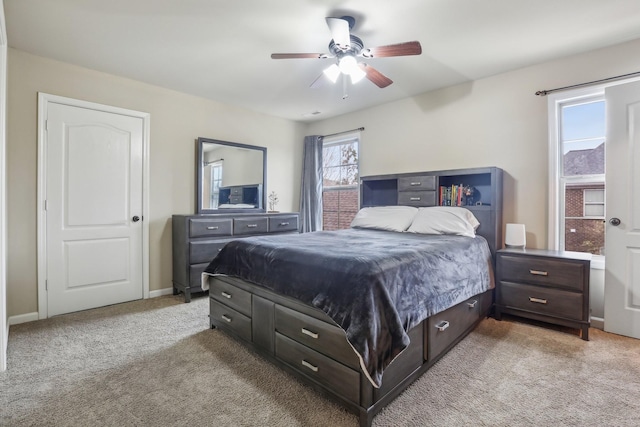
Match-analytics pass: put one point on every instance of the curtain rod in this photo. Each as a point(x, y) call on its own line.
point(346, 131)
point(608, 79)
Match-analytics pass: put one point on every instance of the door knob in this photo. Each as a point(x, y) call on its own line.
point(614, 221)
point(135, 218)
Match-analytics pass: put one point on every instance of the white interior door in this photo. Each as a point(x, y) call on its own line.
point(94, 207)
point(622, 246)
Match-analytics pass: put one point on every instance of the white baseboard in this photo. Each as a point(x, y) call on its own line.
point(160, 292)
point(597, 322)
point(23, 318)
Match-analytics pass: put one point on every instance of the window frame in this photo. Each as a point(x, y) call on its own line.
point(343, 139)
point(557, 183)
point(585, 203)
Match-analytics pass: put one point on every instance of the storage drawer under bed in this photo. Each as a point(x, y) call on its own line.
point(228, 318)
point(338, 377)
point(445, 327)
point(320, 336)
point(231, 296)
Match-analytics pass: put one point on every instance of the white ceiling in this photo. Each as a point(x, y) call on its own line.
point(221, 49)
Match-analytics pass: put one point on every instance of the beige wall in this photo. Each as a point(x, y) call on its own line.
point(496, 121)
point(176, 121)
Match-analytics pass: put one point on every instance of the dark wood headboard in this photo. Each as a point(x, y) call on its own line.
point(423, 189)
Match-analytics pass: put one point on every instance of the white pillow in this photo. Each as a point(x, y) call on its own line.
point(391, 218)
point(444, 220)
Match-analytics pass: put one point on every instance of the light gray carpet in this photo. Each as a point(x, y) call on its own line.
point(156, 363)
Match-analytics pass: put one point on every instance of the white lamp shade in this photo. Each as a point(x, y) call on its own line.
point(515, 236)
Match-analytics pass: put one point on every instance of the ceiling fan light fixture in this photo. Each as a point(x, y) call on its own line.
point(348, 64)
point(332, 73)
point(356, 75)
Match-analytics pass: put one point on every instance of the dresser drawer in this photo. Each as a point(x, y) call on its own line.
point(553, 302)
point(252, 225)
point(541, 271)
point(417, 198)
point(235, 191)
point(205, 250)
point(318, 335)
point(203, 227)
point(443, 328)
point(230, 319)
point(231, 296)
point(336, 376)
point(283, 223)
point(417, 183)
point(234, 200)
point(195, 274)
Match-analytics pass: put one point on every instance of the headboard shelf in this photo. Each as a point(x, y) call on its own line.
point(485, 199)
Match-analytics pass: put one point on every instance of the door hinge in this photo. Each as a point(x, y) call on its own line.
point(46, 125)
point(45, 205)
point(46, 285)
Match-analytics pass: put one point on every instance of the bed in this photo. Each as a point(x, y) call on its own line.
point(359, 314)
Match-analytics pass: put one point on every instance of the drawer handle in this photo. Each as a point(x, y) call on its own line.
point(538, 273)
point(213, 228)
point(309, 365)
point(252, 225)
point(226, 318)
point(226, 294)
point(414, 199)
point(284, 224)
point(537, 300)
point(415, 184)
point(442, 325)
point(472, 304)
point(309, 333)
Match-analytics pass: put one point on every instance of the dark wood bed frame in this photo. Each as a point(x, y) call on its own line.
point(305, 342)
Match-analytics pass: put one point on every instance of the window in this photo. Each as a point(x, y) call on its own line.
point(340, 182)
point(216, 180)
point(578, 151)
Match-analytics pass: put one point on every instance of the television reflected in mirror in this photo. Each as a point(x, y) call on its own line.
point(230, 177)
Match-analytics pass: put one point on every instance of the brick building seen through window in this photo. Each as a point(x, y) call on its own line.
point(340, 192)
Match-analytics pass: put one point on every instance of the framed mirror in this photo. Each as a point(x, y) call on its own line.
point(230, 177)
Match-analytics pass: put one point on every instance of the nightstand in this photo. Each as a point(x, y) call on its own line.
point(549, 286)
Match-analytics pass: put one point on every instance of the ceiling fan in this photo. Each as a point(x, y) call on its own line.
point(346, 48)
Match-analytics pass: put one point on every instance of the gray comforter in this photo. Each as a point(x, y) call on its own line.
point(376, 285)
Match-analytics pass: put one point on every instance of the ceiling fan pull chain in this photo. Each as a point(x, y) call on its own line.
point(345, 95)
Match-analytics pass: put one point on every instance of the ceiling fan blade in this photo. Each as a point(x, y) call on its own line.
point(400, 49)
point(375, 76)
point(300, 55)
point(340, 32)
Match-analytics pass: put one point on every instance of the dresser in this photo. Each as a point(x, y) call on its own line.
point(198, 238)
point(544, 285)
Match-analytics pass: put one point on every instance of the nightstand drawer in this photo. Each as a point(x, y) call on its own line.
point(231, 296)
point(541, 271)
point(553, 302)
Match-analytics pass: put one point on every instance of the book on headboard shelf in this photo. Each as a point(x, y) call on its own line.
point(457, 195)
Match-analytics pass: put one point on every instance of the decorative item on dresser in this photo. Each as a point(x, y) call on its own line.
point(550, 286)
point(197, 239)
point(310, 343)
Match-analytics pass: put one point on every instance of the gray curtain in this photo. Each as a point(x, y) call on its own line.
point(311, 188)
